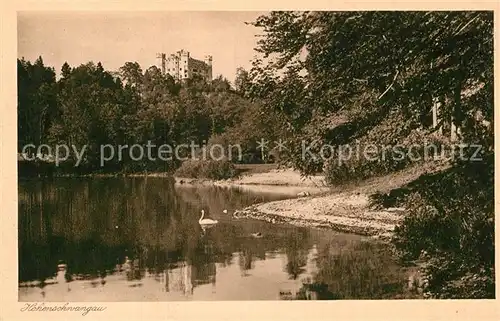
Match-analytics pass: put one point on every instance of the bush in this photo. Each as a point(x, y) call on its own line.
point(235, 147)
point(209, 169)
point(452, 277)
point(416, 148)
point(359, 168)
point(450, 227)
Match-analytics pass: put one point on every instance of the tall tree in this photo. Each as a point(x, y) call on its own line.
point(36, 101)
point(326, 65)
point(131, 73)
point(242, 81)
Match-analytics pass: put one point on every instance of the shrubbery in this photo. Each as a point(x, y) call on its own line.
point(417, 148)
point(209, 169)
point(450, 227)
point(385, 99)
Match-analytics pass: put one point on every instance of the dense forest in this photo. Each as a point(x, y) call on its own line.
point(89, 106)
point(339, 78)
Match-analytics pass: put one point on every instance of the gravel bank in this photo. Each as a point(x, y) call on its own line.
point(344, 208)
point(342, 212)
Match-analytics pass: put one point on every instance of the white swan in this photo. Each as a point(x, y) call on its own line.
point(206, 221)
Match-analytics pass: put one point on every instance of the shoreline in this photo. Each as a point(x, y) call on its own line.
point(286, 182)
point(330, 212)
point(343, 208)
point(311, 203)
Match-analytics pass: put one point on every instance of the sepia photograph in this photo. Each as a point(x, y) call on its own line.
point(254, 156)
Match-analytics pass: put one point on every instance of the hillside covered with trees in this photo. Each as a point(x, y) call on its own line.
point(362, 78)
point(89, 106)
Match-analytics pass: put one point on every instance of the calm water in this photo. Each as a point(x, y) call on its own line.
point(138, 239)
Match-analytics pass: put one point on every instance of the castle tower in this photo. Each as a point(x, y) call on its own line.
point(208, 62)
point(181, 66)
point(160, 61)
point(184, 67)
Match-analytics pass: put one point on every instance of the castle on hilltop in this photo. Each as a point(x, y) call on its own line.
point(182, 66)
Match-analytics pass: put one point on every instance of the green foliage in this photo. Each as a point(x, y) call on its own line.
point(374, 155)
point(207, 169)
point(450, 225)
point(37, 105)
point(452, 278)
point(363, 78)
point(325, 65)
point(89, 106)
point(242, 82)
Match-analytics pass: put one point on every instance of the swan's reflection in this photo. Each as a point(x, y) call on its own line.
point(204, 229)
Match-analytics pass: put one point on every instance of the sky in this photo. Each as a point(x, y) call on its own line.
point(114, 38)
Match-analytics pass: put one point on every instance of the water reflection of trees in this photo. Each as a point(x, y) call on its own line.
point(297, 247)
point(93, 224)
point(216, 200)
point(245, 260)
point(354, 270)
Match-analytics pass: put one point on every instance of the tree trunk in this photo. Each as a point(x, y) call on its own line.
point(435, 115)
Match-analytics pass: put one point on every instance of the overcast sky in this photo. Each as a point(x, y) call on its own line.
point(114, 38)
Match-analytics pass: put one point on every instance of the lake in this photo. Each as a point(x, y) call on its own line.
point(138, 239)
